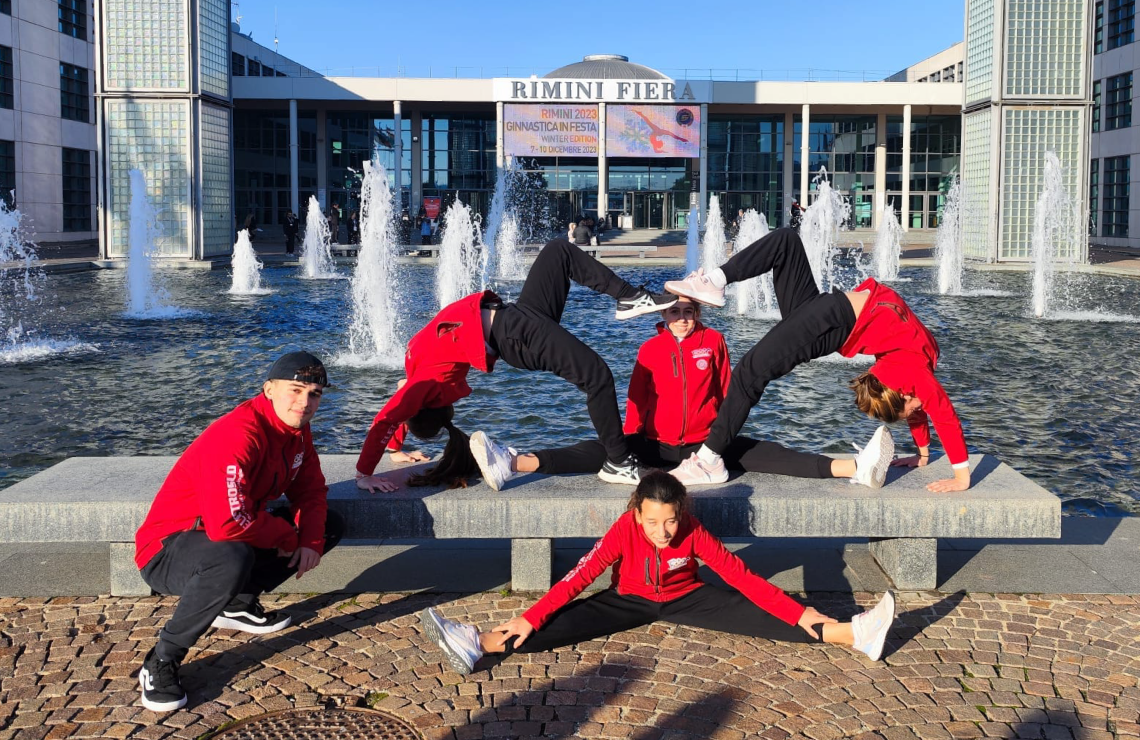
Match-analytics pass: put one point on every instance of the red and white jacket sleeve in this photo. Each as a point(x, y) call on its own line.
point(308, 495)
point(229, 510)
point(936, 405)
point(638, 399)
point(403, 405)
point(723, 368)
point(605, 552)
point(736, 574)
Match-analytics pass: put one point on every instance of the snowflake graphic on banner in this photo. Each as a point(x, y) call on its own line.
point(636, 135)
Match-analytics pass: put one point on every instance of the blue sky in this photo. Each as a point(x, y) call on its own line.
point(536, 36)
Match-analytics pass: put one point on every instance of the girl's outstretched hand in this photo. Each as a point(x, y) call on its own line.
point(512, 627)
point(376, 484)
point(399, 456)
point(947, 485)
point(811, 618)
point(914, 461)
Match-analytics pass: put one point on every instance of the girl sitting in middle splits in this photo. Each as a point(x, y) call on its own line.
point(654, 548)
point(678, 384)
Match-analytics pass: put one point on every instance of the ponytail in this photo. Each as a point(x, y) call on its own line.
point(877, 400)
point(457, 463)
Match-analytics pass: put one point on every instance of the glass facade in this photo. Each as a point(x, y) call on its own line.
point(845, 146)
point(261, 158)
point(76, 189)
point(979, 50)
point(160, 63)
point(1045, 47)
point(217, 169)
point(7, 82)
point(746, 165)
point(1118, 102)
point(935, 155)
point(74, 96)
point(352, 138)
point(1094, 194)
point(1121, 22)
point(213, 45)
point(1114, 214)
point(73, 18)
point(458, 158)
point(8, 172)
point(1096, 107)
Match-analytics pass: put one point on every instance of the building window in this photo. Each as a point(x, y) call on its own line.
point(237, 64)
point(266, 70)
point(73, 18)
point(1121, 22)
point(1096, 107)
point(6, 7)
point(1114, 213)
point(1098, 38)
point(1118, 102)
point(76, 190)
point(254, 68)
point(8, 172)
point(7, 83)
point(1094, 194)
point(73, 94)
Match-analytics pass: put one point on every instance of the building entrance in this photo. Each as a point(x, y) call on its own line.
point(650, 210)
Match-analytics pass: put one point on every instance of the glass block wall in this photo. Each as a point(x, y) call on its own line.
point(217, 222)
point(1044, 48)
point(152, 136)
point(979, 50)
point(146, 45)
point(213, 46)
point(977, 218)
point(1027, 134)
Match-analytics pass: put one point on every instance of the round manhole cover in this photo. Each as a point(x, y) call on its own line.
point(320, 724)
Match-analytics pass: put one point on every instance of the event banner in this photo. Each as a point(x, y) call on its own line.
point(550, 130)
point(653, 131)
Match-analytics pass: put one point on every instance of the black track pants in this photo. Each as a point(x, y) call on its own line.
point(527, 334)
point(750, 455)
point(609, 612)
point(209, 575)
point(813, 325)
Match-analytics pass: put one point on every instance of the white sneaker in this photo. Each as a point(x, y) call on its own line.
point(870, 628)
point(494, 460)
point(459, 642)
point(699, 287)
point(693, 471)
point(873, 460)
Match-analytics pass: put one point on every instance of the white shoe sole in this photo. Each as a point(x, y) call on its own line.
point(479, 452)
point(876, 651)
point(702, 482)
point(878, 474)
point(159, 706)
point(429, 620)
point(678, 287)
point(222, 622)
point(620, 480)
point(629, 313)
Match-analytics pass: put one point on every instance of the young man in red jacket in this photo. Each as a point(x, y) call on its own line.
point(873, 319)
point(208, 537)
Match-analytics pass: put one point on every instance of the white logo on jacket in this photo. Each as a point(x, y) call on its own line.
point(700, 352)
point(235, 479)
point(297, 460)
point(582, 562)
point(675, 563)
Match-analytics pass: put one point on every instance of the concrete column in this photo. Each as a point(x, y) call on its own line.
point(417, 184)
point(294, 160)
point(397, 124)
point(532, 562)
point(789, 163)
point(880, 169)
point(603, 191)
point(322, 159)
point(704, 166)
point(904, 207)
point(805, 170)
point(500, 155)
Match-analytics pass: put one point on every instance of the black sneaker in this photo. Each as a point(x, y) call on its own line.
point(252, 619)
point(158, 681)
point(643, 302)
point(628, 472)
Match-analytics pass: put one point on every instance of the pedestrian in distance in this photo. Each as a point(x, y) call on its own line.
point(654, 548)
point(290, 228)
point(209, 538)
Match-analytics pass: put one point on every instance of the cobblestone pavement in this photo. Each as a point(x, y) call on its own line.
point(957, 666)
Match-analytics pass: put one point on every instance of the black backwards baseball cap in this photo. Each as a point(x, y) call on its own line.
point(300, 366)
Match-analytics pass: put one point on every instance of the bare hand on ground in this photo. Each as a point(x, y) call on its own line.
point(517, 626)
point(408, 457)
point(947, 485)
point(376, 484)
point(810, 618)
point(914, 461)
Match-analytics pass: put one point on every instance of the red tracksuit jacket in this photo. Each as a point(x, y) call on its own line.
point(436, 366)
point(242, 461)
point(905, 357)
point(661, 575)
point(677, 386)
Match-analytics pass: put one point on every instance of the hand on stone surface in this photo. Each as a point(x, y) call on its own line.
point(376, 484)
point(950, 484)
point(810, 618)
point(914, 461)
point(304, 560)
point(517, 626)
point(399, 456)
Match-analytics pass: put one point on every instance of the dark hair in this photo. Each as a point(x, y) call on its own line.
point(661, 487)
point(877, 400)
point(457, 463)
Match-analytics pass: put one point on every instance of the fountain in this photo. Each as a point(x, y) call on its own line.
point(373, 336)
point(693, 241)
point(316, 250)
point(714, 248)
point(1056, 235)
point(511, 266)
point(501, 256)
point(948, 241)
point(246, 268)
point(460, 264)
point(755, 296)
point(820, 229)
point(888, 244)
point(147, 298)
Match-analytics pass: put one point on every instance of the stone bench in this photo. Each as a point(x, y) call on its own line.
point(596, 251)
point(105, 500)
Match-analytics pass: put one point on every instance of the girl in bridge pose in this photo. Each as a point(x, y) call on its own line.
point(654, 548)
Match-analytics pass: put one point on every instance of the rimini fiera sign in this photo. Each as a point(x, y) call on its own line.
point(535, 90)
